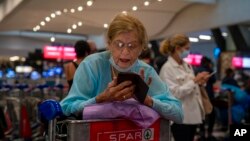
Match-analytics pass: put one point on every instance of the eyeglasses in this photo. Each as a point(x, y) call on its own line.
point(121, 45)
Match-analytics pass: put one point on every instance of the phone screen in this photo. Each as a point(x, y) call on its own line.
point(141, 88)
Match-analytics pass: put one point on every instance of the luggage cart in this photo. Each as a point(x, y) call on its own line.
point(108, 130)
point(100, 129)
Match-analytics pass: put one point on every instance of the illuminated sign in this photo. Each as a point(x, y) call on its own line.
point(193, 59)
point(59, 52)
point(241, 62)
point(237, 62)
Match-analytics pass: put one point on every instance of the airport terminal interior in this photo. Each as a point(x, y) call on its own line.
point(37, 39)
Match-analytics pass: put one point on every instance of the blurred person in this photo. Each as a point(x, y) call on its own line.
point(82, 49)
point(95, 80)
point(146, 56)
point(184, 85)
point(92, 45)
point(229, 78)
point(207, 65)
point(159, 61)
point(239, 101)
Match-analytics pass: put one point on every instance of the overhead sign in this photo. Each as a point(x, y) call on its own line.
point(241, 62)
point(193, 59)
point(59, 52)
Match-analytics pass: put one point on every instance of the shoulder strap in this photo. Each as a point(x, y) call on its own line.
point(75, 64)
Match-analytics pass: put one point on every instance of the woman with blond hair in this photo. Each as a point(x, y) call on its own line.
point(95, 80)
point(184, 85)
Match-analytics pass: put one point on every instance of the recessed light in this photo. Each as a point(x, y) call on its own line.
point(52, 39)
point(89, 3)
point(72, 10)
point(134, 8)
point(105, 25)
point(65, 10)
point(146, 3)
point(42, 23)
point(58, 12)
point(47, 19)
point(80, 8)
point(69, 30)
point(52, 15)
point(74, 26)
point(79, 23)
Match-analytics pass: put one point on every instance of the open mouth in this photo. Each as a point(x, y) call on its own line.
point(124, 60)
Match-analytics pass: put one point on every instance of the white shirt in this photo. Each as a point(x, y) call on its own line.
point(179, 78)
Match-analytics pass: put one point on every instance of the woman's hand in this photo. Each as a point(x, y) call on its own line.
point(201, 78)
point(116, 92)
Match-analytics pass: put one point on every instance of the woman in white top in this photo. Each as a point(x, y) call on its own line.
point(184, 85)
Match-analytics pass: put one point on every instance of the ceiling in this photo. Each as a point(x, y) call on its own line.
point(161, 18)
point(29, 13)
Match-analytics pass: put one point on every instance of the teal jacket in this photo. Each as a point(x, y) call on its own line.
point(93, 75)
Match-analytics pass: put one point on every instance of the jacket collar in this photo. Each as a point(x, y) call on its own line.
point(175, 64)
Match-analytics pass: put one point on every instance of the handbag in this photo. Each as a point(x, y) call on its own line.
point(208, 107)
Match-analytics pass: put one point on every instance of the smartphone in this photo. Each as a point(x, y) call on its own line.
point(212, 73)
point(141, 88)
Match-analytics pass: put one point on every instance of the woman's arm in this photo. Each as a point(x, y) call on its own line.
point(81, 92)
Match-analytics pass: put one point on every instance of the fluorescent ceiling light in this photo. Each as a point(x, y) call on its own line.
point(205, 37)
point(193, 39)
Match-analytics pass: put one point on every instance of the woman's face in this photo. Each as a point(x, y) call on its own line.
point(182, 49)
point(125, 49)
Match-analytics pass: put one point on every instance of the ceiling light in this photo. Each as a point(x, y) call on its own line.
point(58, 12)
point(14, 58)
point(224, 34)
point(47, 19)
point(23, 59)
point(134, 8)
point(52, 15)
point(34, 29)
point(105, 25)
point(74, 26)
point(146, 3)
point(149, 45)
point(72, 10)
point(159, 0)
point(80, 8)
point(192, 39)
point(38, 27)
point(42, 23)
point(65, 10)
point(124, 12)
point(69, 30)
point(79, 23)
point(89, 3)
point(52, 39)
point(205, 37)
